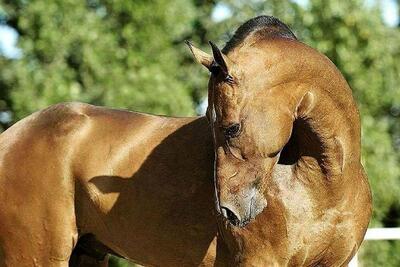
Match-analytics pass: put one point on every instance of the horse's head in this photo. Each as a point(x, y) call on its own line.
point(252, 122)
point(287, 140)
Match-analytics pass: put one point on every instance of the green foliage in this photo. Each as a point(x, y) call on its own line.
point(114, 53)
point(380, 253)
point(118, 262)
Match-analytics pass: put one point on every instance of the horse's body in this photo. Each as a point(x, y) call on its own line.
point(141, 184)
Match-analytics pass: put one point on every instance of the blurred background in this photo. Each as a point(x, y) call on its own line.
point(130, 54)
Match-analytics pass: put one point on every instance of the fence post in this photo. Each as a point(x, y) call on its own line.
point(354, 261)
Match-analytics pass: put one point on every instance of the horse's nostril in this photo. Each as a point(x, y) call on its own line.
point(231, 216)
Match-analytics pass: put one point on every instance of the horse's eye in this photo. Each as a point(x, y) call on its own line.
point(232, 130)
point(229, 79)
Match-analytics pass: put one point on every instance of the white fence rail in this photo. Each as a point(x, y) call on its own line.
point(378, 234)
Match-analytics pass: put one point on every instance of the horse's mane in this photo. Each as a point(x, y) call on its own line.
point(265, 26)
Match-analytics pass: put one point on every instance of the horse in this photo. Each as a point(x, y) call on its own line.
point(290, 186)
point(140, 186)
point(132, 184)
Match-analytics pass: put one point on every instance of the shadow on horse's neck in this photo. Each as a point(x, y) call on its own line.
point(326, 139)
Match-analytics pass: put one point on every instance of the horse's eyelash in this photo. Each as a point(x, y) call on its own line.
point(229, 79)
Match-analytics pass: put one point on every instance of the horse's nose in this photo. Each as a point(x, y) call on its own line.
point(232, 216)
point(240, 211)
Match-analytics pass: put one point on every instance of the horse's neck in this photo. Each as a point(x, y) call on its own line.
point(327, 138)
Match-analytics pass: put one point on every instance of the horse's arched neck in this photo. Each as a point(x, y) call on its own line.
point(325, 136)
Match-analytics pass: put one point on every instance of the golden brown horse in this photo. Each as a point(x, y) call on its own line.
point(286, 133)
point(136, 184)
point(290, 185)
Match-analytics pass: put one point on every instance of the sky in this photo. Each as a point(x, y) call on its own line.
point(390, 12)
point(9, 37)
point(8, 42)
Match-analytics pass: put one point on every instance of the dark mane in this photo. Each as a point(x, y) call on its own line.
point(267, 26)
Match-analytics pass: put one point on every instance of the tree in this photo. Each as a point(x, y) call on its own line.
point(123, 54)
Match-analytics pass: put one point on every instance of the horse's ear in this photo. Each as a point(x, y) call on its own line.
point(202, 57)
point(220, 59)
point(305, 105)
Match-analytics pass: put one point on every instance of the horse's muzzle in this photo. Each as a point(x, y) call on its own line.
point(240, 211)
